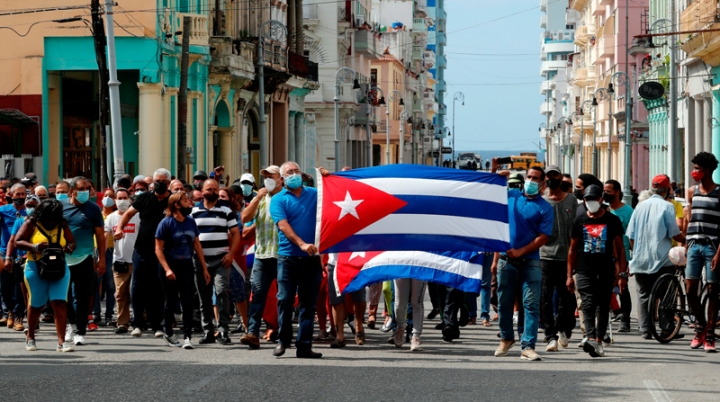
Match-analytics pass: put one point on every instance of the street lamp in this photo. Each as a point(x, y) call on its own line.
point(404, 116)
point(585, 107)
point(594, 138)
point(602, 94)
point(459, 96)
point(572, 140)
point(345, 75)
point(392, 96)
point(375, 96)
point(563, 123)
point(277, 32)
point(622, 78)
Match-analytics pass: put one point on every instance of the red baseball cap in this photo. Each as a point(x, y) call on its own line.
point(660, 181)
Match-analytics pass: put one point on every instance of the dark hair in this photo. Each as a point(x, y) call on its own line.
point(188, 187)
point(77, 179)
point(706, 160)
point(231, 194)
point(123, 182)
point(589, 180)
point(48, 209)
point(120, 190)
point(567, 176)
point(615, 184)
point(541, 170)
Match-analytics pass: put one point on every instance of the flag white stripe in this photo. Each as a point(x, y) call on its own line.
point(427, 260)
point(440, 188)
point(439, 225)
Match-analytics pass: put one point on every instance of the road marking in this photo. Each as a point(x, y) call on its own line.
point(197, 386)
point(656, 391)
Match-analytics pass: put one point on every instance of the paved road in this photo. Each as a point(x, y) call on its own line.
point(113, 367)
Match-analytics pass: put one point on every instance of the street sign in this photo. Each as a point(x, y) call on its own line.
point(434, 154)
point(651, 90)
point(446, 150)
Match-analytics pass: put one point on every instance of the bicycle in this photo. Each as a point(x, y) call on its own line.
point(667, 306)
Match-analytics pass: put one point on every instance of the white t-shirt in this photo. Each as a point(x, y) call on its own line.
point(124, 247)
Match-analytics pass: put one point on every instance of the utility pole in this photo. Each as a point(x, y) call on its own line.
point(100, 41)
point(182, 102)
point(672, 168)
point(114, 88)
point(627, 195)
point(369, 133)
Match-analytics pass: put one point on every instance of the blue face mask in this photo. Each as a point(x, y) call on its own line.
point(531, 187)
point(293, 182)
point(247, 189)
point(29, 211)
point(82, 196)
point(61, 196)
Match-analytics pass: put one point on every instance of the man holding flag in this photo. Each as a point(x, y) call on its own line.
point(531, 224)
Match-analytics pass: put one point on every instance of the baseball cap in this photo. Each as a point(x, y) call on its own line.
point(200, 174)
point(552, 168)
point(660, 181)
point(516, 179)
point(272, 169)
point(247, 177)
point(593, 191)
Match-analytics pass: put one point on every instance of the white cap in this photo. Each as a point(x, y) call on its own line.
point(247, 177)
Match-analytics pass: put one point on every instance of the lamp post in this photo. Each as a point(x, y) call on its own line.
point(375, 96)
point(392, 96)
point(594, 137)
point(572, 140)
point(622, 78)
point(602, 94)
point(404, 116)
point(459, 96)
point(277, 31)
point(563, 124)
point(585, 107)
point(540, 130)
point(345, 75)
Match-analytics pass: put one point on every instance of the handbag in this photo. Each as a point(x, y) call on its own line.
point(51, 264)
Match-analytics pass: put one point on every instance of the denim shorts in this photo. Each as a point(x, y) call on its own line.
point(699, 256)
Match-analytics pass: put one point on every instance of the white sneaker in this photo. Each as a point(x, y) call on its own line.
point(515, 317)
point(68, 333)
point(30, 345)
point(78, 340)
point(399, 337)
point(171, 340)
point(137, 332)
point(564, 340)
point(582, 343)
point(159, 334)
point(415, 345)
point(65, 347)
point(187, 344)
point(552, 346)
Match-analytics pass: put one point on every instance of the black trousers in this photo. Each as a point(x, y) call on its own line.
point(595, 290)
point(554, 277)
point(81, 276)
point(181, 288)
point(454, 302)
point(625, 304)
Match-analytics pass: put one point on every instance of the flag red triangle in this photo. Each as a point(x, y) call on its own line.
point(349, 206)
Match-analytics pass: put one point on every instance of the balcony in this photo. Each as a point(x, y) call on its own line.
point(578, 5)
point(606, 2)
point(411, 84)
point(235, 59)
point(198, 29)
point(579, 76)
point(551, 65)
point(301, 66)
point(546, 108)
point(345, 15)
point(581, 36)
point(275, 55)
point(419, 26)
point(546, 86)
point(598, 9)
point(543, 6)
point(418, 52)
point(701, 15)
point(543, 21)
point(558, 47)
point(604, 48)
point(417, 105)
point(421, 8)
point(366, 43)
point(429, 59)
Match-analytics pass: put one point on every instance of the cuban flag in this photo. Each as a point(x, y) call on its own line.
point(459, 269)
point(412, 207)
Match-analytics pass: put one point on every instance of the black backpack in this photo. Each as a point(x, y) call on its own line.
point(51, 264)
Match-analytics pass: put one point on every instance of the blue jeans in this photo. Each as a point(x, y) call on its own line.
point(264, 271)
point(302, 275)
point(700, 256)
point(509, 279)
point(486, 288)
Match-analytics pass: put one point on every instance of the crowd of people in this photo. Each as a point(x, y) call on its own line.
point(169, 256)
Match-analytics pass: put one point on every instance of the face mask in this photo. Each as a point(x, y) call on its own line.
point(293, 182)
point(160, 187)
point(61, 196)
point(29, 211)
point(185, 211)
point(82, 196)
point(697, 176)
point(18, 201)
point(247, 189)
point(198, 184)
point(607, 197)
point(592, 206)
point(554, 184)
point(108, 202)
point(123, 205)
point(565, 186)
point(138, 192)
point(531, 187)
point(578, 194)
point(270, 184)
point(212, 197)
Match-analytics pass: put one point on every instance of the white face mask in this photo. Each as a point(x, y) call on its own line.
point(592, 206)
point(123, 205)
point(270, 184)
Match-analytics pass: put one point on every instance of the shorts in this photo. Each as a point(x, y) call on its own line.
point(699, 256)
point(237, 286)
point(357, 296)
point(40, 291)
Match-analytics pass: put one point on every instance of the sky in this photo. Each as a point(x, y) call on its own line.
point(494, 60)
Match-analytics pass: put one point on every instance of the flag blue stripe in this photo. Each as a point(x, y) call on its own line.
point(463, 207)
point(423, 172)
point(413, 242)
point(389, 272)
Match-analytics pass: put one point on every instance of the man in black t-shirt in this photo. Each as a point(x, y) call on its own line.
point(597, 257)
point(145, 289)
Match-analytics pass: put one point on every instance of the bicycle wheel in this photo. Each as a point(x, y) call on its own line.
point(666, 308)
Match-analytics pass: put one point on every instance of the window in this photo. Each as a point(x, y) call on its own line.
point(570, 26)
point(373, 77)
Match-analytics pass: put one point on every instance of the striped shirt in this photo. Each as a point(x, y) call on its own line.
point(266, 231)
point(214, 225)
point(704, 216)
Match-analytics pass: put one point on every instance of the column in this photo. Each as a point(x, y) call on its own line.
point(708, 108)
point(300, 152)
point(292, 156)
point(715, 129)
point(690, 135)
point(225, 147)
point(151, 133)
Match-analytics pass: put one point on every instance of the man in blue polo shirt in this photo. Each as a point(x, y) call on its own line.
point(299, 268)
point(531, 223)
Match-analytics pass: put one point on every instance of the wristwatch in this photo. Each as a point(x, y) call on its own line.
point(623, 275)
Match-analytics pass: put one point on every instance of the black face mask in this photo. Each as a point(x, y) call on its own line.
point(198, 184)
point(161, 187)
point(578, 194)
point(565, 186)
point(212, 197)
point(607, 197)
point(18, 201)
point(185, 211)
point(554, 184)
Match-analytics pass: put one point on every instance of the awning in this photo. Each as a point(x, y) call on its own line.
point(15, 117)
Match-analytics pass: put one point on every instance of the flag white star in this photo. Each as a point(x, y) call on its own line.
point(360, 254)
point(348, 206)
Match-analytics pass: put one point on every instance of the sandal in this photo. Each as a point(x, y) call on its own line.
point(486, 323)
point(360, 338)
point(337, 344)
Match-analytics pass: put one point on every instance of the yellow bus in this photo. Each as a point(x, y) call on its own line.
point(524, 162)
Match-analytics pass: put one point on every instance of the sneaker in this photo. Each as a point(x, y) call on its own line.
point(79, 340)
point(224, 339)
point(582, 343)
point(399, 337)
point(564, 341)
point(137, 332)
point(30, 345)
point(92, 326)
point(65, 347)
point(698, 341)
point(593, 348)
point(647, 336)
point(18, 325)
point(69, 333)
point(552, 346)
point(502, 350)
point(624, 327)
point(710, 343)
point(121, 330)
point(607, 341)
point(515, 317)
point(187, 344)
point(171, 340)
point(387, 326)
point(415, 345)
point(159, 334)
point(529, 354)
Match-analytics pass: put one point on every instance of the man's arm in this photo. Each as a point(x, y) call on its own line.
point(124, 219)
point(100, 239)
point(249, 212)
point(234, 245)
point(533, 246)
point(572, 259)
point(285, 227)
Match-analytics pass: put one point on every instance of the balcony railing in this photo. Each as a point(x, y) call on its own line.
point(429, 59)
point(700, 15)
point(198, 28)
point(301, 66)
point(419, 26)
point(543, 21)
point(275, 55)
